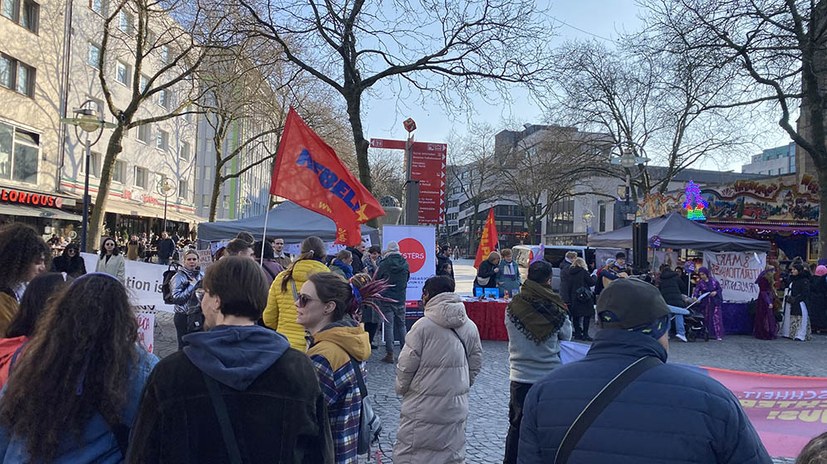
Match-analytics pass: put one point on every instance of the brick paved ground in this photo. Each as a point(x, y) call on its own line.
point(487, 422)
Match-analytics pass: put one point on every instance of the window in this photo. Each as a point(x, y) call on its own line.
point(94, 55)
point(16, 75)
point(601, 218)
point(183, 189)
point(164, 54)
point(144, 82)
point(123, 72)
point(27, 17)
point(184, 152)
point(561, 217)
point(162, 140)
point(141, 177)
point(163, 98)
point(19, 151)
point(144, 133)
point(94, 164)
point(96, 6)
point(119, 172)
point(125, 22)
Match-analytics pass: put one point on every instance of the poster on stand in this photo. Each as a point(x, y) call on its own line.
point(417, 244)
point(736, 271)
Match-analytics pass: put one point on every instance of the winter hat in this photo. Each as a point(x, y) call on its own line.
point(633, 305)
point(392, 247)
point(821, 270)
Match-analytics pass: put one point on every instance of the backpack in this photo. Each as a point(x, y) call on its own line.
point(370, 425)
point(166, 287)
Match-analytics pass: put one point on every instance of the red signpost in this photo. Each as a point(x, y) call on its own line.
point(428, 165)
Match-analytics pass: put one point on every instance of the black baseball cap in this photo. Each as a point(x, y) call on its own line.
point(630, 303)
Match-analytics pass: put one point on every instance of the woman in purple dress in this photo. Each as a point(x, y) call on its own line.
point(711, 305)
point(765, 326)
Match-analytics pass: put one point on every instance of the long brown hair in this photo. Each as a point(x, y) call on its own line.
point(312, 248)
point(77, 364)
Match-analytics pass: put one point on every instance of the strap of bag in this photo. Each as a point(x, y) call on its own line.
point(357, 369)
point(295, 292)
point(223, 419)
point(462, 342)
point(599, 403)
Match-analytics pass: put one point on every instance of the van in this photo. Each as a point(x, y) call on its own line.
point(554, 255)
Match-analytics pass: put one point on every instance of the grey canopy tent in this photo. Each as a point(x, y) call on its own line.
point(677, 232)
point(287, 221)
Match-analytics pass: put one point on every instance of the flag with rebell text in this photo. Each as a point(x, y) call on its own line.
point(308, 172)
point(488, 240)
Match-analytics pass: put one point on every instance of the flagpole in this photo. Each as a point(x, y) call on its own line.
point(264, 232)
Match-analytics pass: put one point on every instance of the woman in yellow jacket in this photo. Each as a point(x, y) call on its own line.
point(280, 313)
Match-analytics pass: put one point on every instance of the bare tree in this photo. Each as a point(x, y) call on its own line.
point(387, 167)
point(778, 51)
point(652, 103)
point(544, 168)
point(451, 48)
point(164, 56)
point(476, 170)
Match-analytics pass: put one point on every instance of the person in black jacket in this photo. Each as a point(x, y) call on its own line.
point(271, 391)
point(487, 273)
point(564, 276)
point(672, 287)
point(166, 248)
point(358, 253)
point(796, 324)
point(581, 298)
point(444, 266)
point(70, 261)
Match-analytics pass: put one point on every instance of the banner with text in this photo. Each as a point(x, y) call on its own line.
point(143, 282)
point(736, 271)
point(418, 246)
point(786, 411)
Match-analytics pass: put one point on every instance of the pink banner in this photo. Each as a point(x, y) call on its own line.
point(786, 411)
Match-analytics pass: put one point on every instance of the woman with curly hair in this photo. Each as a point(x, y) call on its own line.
point(23, 255)
point(111, 260)
point(280, 313)
point(327, 306)
point(32, 307)
point(73, 393)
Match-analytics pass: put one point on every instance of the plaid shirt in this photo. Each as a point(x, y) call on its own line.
point(344, 406)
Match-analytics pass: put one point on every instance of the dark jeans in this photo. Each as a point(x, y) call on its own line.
point(371, 328)
point(581, 326)
point(515, 417)
point(180, 321)
point(394, 327)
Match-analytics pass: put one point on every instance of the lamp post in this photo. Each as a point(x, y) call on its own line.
point(87, 120)
point(411, 185)
point(627, 160)
point(166, 188)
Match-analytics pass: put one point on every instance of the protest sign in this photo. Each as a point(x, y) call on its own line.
point(146, 330)
point(143, 282)
point(736, 271)
point(417, 244)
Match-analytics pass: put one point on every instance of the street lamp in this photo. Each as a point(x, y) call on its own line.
point(411, 185)
point(627, 160)
point(87, 120)
point(166, 188)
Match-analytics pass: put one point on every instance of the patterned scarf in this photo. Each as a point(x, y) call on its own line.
point(537, 312)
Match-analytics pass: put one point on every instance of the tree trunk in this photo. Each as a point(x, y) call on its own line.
point(822, 214)
point(354, 107)
point(113, 149)
point(216, 187)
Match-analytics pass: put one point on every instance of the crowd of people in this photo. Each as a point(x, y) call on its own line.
point(272, 350)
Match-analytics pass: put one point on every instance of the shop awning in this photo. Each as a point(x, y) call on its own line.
point(34, 211)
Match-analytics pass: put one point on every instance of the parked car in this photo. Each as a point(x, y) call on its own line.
point(554, 254)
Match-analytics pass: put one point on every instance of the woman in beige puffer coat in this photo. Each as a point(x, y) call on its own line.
point(437, 366)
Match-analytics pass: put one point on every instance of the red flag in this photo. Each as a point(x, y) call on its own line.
point(308, 172)
point(488, 241)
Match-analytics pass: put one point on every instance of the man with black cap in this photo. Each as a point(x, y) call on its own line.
point(624, 404)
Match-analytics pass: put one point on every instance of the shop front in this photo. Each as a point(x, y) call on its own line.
point(49, 213)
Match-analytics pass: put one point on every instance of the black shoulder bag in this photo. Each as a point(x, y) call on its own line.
point(223, 419)
point(596, 406)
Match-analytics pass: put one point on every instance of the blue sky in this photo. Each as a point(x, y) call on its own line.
point(574, 19)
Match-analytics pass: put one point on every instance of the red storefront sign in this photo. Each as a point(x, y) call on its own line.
point(28, 198)
point(428, 164)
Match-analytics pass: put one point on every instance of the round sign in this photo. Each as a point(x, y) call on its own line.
point(413, 251)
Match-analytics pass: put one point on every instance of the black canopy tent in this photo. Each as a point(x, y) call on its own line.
point(675, 231)
point(287, 221)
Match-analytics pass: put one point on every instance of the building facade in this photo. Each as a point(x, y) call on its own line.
point(776, 161)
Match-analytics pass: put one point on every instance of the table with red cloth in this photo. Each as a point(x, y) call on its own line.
point(489, 315)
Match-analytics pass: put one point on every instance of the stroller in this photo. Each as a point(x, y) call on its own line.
point(695, 327)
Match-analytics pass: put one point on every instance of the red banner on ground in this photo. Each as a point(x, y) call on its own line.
point(308, 172)
point(488, 239)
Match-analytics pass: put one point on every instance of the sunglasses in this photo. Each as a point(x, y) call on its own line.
point(302, 300)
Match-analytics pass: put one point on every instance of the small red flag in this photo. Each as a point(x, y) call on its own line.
point(488, 240)
point(308, 172)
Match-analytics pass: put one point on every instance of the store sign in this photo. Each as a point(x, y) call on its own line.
point(27, 198)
